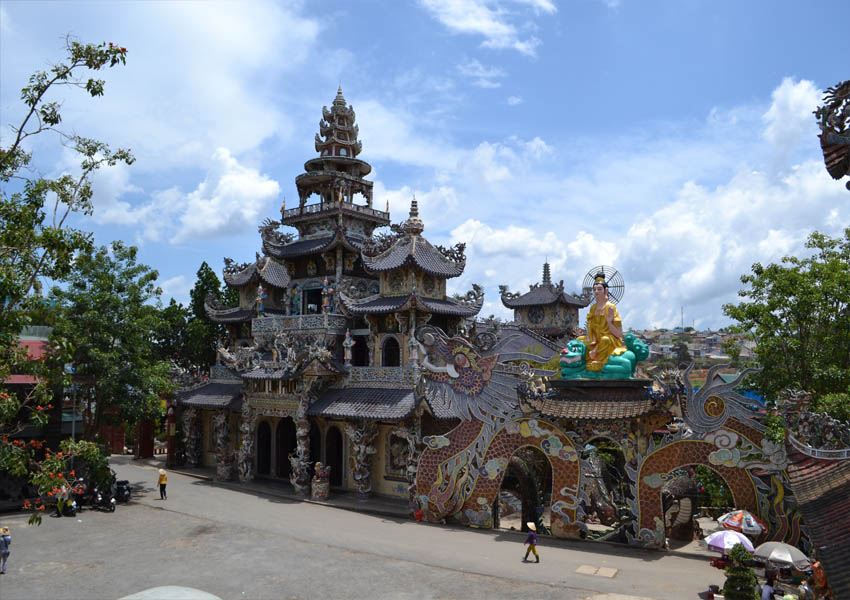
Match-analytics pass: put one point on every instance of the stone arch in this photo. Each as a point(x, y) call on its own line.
point(566, 473)
point(676, 455)
point(335, 454)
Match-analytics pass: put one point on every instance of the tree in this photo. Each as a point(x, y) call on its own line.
point(798, 312)
point(741, 582)
point(731, 349)
point(202, 334)
point(170, 335)
point(36, 240)
point(105, 309)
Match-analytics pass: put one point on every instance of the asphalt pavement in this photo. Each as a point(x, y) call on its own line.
point(248, 543)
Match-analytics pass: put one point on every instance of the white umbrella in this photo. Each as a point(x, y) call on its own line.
point(782, 554)
point(724, 540)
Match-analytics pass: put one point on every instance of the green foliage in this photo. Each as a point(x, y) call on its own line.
point(835, 405)
point(741, 582)
point(775, 431)
point(799, 315)
point(714, 490)
point(37, 242)
point(105, 308)
point(201, 333)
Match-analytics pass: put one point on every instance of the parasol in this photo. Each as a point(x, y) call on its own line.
point(743, 521)
point(722, 541)
point(782, 554)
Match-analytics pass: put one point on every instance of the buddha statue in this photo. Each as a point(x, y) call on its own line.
point(604, 328)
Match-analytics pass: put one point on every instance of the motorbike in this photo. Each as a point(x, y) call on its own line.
point(102, 499)
point(122, 490)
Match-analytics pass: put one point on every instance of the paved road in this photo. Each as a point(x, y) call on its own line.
point(238, 545)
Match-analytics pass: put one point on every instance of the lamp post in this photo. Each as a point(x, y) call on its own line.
point(69, 369)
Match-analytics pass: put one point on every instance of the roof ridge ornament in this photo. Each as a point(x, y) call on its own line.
point(413, 225)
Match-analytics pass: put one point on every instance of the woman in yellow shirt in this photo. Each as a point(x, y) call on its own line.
point(163, 479)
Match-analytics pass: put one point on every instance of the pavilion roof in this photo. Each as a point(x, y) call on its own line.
point(377, 304)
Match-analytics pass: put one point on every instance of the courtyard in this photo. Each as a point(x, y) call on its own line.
point(238, 544)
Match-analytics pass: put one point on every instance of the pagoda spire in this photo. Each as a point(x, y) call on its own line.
point(413, 225)
point(547, 276)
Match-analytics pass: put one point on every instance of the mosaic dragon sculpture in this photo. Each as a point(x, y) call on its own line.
point(475, 380)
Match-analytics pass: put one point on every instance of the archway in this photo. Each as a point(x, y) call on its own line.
point(264, 448)
point(655, 472)
point(285, 443)
point(606, 483)
point(526, 486)
point(334, 454)
point(390, 353)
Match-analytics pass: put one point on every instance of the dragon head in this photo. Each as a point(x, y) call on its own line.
point(573, 358)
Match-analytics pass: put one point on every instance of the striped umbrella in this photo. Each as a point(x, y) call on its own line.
point(743, 521)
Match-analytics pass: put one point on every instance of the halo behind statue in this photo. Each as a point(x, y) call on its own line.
point(616, 286)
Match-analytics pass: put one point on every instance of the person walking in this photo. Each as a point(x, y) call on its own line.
point(531, 540)
point(5, 542)
point(163, 480)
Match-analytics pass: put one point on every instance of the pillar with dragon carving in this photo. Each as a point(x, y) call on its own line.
point(245, 457)
point(192, 436)
point(223, 456)
point(363, 438)
point(413, 436)
point(300, 459)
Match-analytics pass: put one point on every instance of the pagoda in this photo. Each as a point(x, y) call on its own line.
point(545, 308)
point(412, 291)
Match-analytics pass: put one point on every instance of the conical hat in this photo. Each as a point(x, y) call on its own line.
point(531, 526)
point(162, 471)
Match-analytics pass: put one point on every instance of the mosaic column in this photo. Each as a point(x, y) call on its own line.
point(223, 458)
point(363, 439)
point(245, 463)
point(192, 436)
point(300, 460)
point(413, 438)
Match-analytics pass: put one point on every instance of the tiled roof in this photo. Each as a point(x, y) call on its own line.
point(271, 272)
point(365, 403)
point(236, 314)
point(376, 305)
point(418, 251)
point(595, 409)
point(312, 246)
point(213, 396)
point(544, 294)
point(821, 489)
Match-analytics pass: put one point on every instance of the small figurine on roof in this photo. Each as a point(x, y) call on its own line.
point(261, 297)
point(327, 297)
point(295, 299)
point(347, 344)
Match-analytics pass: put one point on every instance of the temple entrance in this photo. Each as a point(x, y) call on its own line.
point(606, 485)
point(312, 299)
point(526, 491)
point(285, 444)
point(264, 448)
point(390, 353)
point(333, 454)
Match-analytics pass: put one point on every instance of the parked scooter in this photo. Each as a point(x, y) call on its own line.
point(105, 500)
point(122, 490)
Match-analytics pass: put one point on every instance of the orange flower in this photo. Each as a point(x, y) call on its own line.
point(41, 507)
point(60, 454)
point(72, 472)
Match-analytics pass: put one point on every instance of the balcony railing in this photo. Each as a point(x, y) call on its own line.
point(381, 377)
point(817, 453)
point(330, 322)
point(332, 206)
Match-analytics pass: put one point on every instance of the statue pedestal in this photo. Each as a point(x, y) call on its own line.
point(321, 489)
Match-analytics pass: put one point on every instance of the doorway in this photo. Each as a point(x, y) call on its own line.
point(285, 444)
point(264, 448)
point(333, 454)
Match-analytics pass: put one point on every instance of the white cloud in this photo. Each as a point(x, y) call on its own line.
point(489, 19)
point(514, 100)
point(789, 118)
point(176, 287)
point(229, 201)
point(480, 75)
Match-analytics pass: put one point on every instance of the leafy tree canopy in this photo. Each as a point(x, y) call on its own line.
point(105, 308)
point(799, 314)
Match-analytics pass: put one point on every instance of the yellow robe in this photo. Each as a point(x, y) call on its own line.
point(606, 343)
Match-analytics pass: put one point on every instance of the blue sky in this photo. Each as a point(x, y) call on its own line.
point(672, 140)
